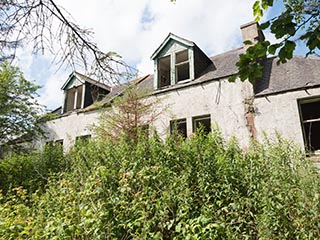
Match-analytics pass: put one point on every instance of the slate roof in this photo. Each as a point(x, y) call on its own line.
point(298, 73)
point(85, 78)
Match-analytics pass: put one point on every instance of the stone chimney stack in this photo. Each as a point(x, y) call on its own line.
point(250, 31)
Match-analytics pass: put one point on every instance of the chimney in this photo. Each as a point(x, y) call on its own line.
point(250, 31)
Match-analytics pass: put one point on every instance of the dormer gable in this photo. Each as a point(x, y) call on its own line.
point(81, 91)
point(178, 60)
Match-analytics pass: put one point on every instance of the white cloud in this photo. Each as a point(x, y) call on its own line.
point(135, 28)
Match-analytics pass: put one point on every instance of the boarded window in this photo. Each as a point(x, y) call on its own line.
point(203, 122)
point(182, 66)
point(310, 121)
point(179, 126)
point(164, 64)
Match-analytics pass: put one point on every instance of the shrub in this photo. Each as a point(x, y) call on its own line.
point(31, 170)
point(204, 188)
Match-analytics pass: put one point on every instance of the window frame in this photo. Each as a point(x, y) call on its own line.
point(195, 119)
point(176, 122)
point(300, 102)
point(83, 138)
point(182, 63)
point(160, 85)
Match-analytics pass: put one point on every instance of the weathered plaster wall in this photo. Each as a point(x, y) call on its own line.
point(281, 113)
point(224, 101)
point(71, 126)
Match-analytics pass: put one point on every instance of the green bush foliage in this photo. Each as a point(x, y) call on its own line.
point(30, 171)
point(203, 188)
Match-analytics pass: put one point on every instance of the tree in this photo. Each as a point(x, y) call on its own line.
point(20, 114)
point(299, 22)
point(48, 27)
point(129, 115)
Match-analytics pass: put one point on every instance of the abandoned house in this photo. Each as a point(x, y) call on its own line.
point(196, 89)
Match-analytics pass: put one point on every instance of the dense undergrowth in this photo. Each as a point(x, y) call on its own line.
point(203, 188)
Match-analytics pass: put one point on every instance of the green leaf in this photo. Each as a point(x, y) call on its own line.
point(264, 25)
point(273, 48)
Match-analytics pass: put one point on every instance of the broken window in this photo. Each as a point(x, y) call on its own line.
point(182, 66)
point(164, 64)
point(179, 126)
point(310, 118)
point(202, 122)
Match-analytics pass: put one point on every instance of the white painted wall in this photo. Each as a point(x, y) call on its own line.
point(224, 101)
point(221, 99)
point(281, 113)
point(71, 126)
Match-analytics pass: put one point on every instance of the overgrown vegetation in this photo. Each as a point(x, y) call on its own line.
point(20, 113)
point(203, 188)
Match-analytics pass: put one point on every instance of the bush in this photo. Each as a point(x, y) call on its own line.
point(31, 170)
point(204, 188)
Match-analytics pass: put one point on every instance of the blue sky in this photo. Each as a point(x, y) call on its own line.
point(135, 28)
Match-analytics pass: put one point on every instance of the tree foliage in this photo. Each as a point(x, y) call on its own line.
point(300, 21)
point(49, 27)
point(130, 113)
point(20, 114)
point(204, 188)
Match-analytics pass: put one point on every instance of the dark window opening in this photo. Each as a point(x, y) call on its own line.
point(310, 118)
point(143, 131)
point(182, 66)
point(179, 127)
point(83, 138)
point(57, 144)
point(164, 71)
point(202, 122)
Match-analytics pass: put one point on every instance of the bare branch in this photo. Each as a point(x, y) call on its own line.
point(48, 27)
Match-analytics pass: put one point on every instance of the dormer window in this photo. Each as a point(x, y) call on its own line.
point(81, 91)
point(182, 66)
point(177, 61)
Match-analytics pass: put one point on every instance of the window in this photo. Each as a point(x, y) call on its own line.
point(143, 131)
point(182, 66)
point(57, 144)
point(164, 64)
point(179, 126)
point(83, 138)
point(73, 98)
point(203, 122)
point(310, 121)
